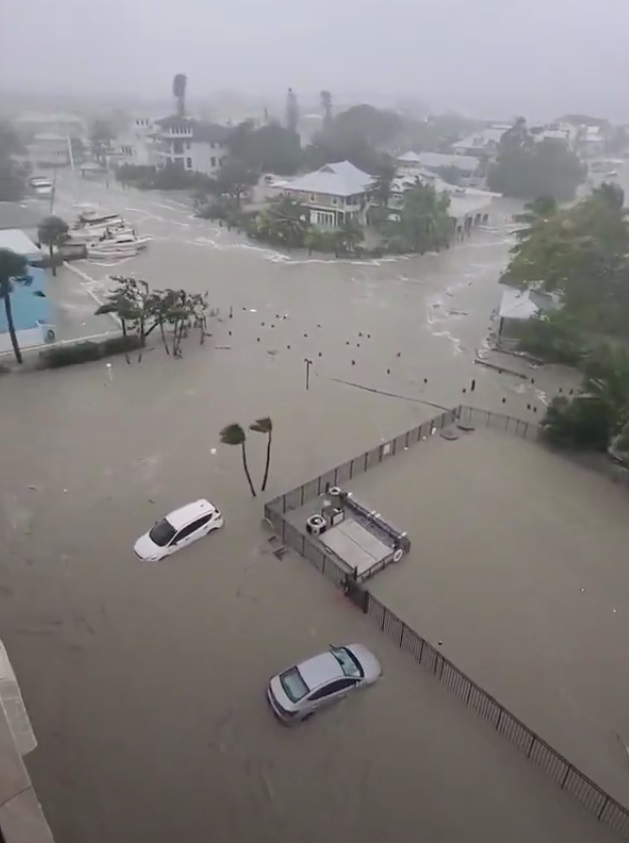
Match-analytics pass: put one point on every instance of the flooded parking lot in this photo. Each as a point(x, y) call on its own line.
point(515, 567)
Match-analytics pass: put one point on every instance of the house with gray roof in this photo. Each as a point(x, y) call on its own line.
point(335, 194)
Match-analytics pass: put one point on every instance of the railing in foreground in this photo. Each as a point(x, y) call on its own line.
point(606, 809)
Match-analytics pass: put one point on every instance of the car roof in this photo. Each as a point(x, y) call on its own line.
point(185, 514)
point(319, 670)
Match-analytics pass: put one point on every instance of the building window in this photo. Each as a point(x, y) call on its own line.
point(188, 163)
point(312, 197)
point(213, 161)
point(189, 145)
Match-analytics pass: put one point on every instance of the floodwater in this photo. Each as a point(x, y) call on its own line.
point(145, 683)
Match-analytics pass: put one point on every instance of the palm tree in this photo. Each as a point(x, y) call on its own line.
point(234, 434)
point(326, 105)
point(264, 425)
point(13, 268)
point(382, 182)
point(52, 231)
point(180, 82)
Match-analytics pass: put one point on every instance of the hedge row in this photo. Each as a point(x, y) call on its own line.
point(83, 352)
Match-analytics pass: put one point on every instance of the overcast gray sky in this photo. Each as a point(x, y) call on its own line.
point(493, 56)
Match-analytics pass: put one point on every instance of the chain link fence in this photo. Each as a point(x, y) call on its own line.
point(606, 809)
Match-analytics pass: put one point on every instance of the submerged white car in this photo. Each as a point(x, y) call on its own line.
point(178, 529)
point(303, 689)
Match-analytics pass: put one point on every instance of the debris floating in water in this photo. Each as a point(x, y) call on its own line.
point(212, 451)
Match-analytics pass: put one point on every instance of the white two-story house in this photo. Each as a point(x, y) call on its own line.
point(335, 194)
point(137, 145)
point(189, 144)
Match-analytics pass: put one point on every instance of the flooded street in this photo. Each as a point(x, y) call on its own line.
point(145, 682)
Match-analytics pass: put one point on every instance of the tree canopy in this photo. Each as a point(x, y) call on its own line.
point(423, 222)
point(271, 148)
point(358, 134)
point(526, 169)
point(581, 254)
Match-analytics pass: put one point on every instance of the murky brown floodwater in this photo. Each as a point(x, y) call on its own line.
point(145, 682)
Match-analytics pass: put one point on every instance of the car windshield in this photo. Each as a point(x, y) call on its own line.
point(162, 532)
point(294, 686)
point(349, 663)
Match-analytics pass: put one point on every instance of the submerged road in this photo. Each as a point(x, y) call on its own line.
point(146, 683)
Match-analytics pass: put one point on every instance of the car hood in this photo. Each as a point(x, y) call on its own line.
point(369, 663)
point(146, 548)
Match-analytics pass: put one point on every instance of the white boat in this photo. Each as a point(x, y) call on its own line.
point(91, 222)
point(117, 246)
point(94, 236)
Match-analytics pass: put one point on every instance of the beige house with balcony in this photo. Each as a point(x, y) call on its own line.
point(334, 195)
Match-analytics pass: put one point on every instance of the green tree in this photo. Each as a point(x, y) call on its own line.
point(326, 106)
point(579, 253)
point(358, 134)
point(264, 425)
point(284, 223)
point(234, 434)
point(52, 232)
point(235, 178)
point(383, 179)
point(180, 83)
point(348, 238)
point(424, 222)
point(600, 412)
point(13, 270)
point(271, 148)
point(526, 169)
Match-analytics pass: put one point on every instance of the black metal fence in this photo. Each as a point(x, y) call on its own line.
point(606, 809)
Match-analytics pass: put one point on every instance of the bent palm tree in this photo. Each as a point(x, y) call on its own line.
point(264, 425)
point(52, 231)
point(180, 82)
point(13, 268)
point(234, 434)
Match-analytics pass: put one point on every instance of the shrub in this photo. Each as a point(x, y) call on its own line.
point(119, 344)
point(84, 352)
point(68, 355)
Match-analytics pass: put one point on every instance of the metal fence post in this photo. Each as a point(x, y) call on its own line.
point(366, 460)
point(336, 476)
point(565, 778)
point(302, 495)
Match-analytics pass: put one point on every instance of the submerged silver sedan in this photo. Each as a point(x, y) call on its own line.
point(304, 688)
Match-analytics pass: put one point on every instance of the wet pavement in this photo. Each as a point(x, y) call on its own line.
point(145, 683)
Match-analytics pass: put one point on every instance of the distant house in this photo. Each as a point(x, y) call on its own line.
point(32, 315)
point(137, 146)
point(516, 308)
point(434, 162)
point(468, 208)
point(194, 145)
point(335, 194)
point(484, 143)
point(49, 150)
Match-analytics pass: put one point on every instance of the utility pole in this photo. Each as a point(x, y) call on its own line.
point(308, 365)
